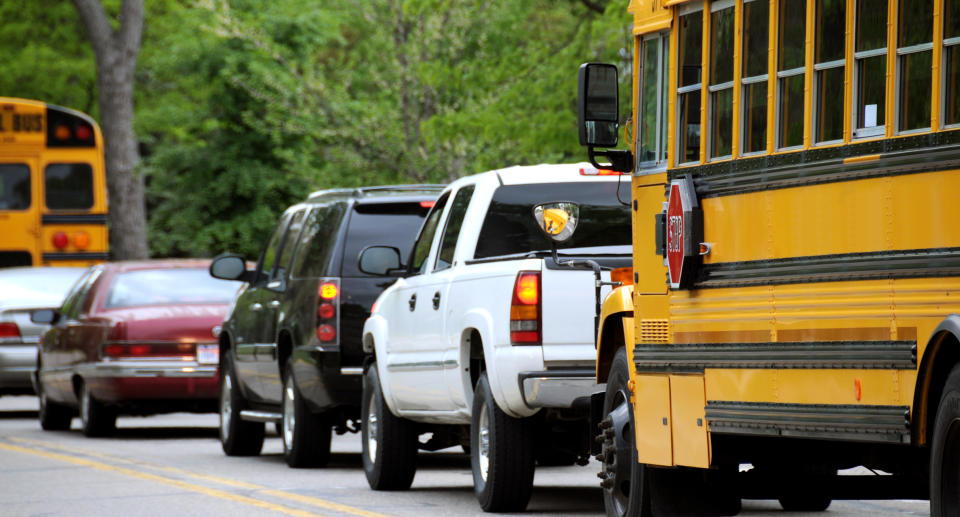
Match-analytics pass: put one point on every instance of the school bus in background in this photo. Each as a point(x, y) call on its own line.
point(796, 226)
point(53, 188)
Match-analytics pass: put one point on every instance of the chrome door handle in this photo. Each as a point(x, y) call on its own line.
point(274, 304)
point(413, 302)
point(256, 307)
point(436, 300)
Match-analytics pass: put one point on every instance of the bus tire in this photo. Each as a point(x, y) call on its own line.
point(502, 454)
point(389, 443)
point(305, 434)
point(945, 451)
point(625, 485)
point(237, 437)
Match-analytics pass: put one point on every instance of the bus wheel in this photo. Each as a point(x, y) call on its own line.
point(625, 491)
point(945, 453)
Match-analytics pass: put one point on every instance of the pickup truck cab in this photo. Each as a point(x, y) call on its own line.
point(487, 340)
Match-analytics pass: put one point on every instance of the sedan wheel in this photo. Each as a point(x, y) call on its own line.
point(96, 419)
point(53, 416)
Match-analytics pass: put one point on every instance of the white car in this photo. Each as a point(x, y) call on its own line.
point(22, 290)
point(487, 339)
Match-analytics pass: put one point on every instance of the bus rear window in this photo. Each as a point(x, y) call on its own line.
point(14, 186)
point(510, 228)
point(69, 186)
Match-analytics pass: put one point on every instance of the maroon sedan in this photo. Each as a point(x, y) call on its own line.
point(135, 338)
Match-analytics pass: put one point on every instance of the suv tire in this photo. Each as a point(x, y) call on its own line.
point(502, 459)
point(96, 419)
point(305, 434)
point(238, 438)
point(53, 416)
point(389, 442)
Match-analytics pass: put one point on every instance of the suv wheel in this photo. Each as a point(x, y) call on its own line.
point(96, 419)
point(53, 416)
point(306, 435)
point(389, 442)
point(238, 438)
point(502, 458)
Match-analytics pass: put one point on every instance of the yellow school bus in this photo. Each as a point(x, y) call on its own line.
point(53, 189)
point(796, 228)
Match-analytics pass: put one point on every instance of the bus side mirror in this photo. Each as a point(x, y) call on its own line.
point(598, 115)
point(557, 220)
point(598, 110)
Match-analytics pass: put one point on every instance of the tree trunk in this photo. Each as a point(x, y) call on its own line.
point(116, 56)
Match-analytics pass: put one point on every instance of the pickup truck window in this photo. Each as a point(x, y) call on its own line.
point(452, 229)
point(317, 240)
point(510, 228)
point(421, 248)
point(382, 224)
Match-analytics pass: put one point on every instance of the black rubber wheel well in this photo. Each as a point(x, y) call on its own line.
point(937, 365)
point(284, 349)
point(611, 341)
point(478, 364)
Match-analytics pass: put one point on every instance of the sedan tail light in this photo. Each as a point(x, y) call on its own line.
point(9, 329)
point(179, 351)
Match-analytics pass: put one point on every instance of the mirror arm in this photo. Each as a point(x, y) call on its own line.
point(620, 160)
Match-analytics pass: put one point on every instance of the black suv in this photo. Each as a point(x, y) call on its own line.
point(290, 348)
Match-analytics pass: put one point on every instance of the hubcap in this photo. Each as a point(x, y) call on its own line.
point(85, 405)
point(371, 426)
point(225, 410)
point(483, 451)
point(289, 417)
point(616, 456)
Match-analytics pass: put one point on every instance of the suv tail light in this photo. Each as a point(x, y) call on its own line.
point(328, 301)
point(525, 309)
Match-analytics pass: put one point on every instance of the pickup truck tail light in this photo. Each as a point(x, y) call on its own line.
point(328, 302)
point(525, 309)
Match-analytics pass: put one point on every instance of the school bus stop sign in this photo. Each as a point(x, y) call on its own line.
point(684, 228)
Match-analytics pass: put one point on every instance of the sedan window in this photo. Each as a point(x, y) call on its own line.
point(168, 287)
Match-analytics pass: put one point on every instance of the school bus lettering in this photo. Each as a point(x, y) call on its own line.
point(27, 123)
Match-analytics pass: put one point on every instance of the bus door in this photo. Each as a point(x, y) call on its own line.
point(19, 214)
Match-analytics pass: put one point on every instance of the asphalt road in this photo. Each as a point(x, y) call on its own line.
point(172, 465)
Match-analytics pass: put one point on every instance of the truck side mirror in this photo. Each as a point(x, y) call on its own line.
point(380, 260)
point(598, 110)
point(557, 220)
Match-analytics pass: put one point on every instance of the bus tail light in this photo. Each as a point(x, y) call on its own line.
point(60, 240)
point(81, 240)
point(525, 309)
point(328, 321)
point(624, 275)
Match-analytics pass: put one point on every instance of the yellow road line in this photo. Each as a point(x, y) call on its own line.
point(280, 494)
point(160, 479)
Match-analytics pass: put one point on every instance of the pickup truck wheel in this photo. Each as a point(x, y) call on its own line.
point(238, 438)
point(502, 459)
point(306, 436)
point(53, 416)
point(625, 485)
point(96, 419)
point(945, 451)
point(389, 443)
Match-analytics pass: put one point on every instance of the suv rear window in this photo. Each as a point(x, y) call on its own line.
point(14, 186)
point(387, 224)
point(510, 228)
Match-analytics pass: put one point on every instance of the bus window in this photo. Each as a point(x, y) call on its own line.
point(829, 70)
point(914, 59)
point(68, 186)
point(870, 67)
point(688, 87)
point(651, 133)
point(756, 31)
point(14, 186)
point(721, 79)
point(791, 65)
point(951, 62)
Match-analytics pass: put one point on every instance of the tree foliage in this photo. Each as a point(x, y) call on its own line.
point(243, 106)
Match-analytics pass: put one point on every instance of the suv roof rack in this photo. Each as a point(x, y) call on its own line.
point(376, 191)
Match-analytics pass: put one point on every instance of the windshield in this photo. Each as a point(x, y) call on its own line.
point(510, 227)
point(168, 287)
point(42, 283)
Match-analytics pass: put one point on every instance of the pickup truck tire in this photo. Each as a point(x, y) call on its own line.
point(53, 416)
point(502, 459)
point(389, 443)
point(96, 419)
point(626, 489)
point(237, 437)
point(945, 451)
point(305, 434)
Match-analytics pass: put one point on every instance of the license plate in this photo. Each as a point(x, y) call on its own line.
point(208, 354)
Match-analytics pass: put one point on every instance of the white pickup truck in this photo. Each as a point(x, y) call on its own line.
point(487, 339)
